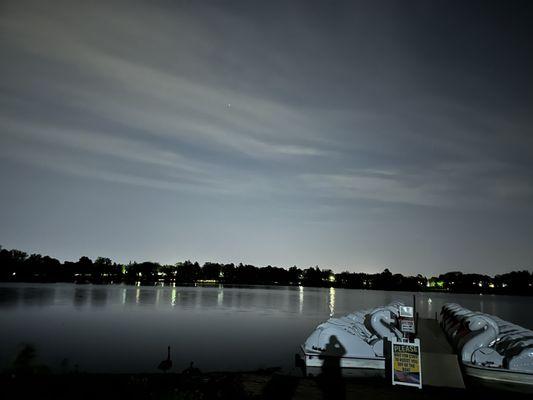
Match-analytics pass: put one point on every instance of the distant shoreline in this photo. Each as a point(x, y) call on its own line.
point(18, 266)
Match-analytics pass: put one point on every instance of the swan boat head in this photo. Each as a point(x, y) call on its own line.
point(484, 331)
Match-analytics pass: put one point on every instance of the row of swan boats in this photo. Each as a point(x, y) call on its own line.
point(490, 349)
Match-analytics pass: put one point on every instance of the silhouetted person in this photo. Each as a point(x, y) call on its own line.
point(165, 365)
point(330, 380)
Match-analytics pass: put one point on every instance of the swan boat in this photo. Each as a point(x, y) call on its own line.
point(355, 341)
point(492, 351)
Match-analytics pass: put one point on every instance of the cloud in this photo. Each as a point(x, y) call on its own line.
point(326, 122)
point(139, 93)
point(381, 188)
point(90, 95)
point(458, 185)
point(149, 86)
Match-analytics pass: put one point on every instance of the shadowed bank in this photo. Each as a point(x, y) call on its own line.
point(258, 385)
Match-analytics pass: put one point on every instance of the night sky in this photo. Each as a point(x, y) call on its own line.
point(349, 135)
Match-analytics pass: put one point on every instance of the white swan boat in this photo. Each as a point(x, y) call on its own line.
point(355, 341)
point(492, 351)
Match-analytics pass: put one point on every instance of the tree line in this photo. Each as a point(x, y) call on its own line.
point(18, 266)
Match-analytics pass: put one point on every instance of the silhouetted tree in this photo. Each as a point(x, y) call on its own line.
point(16, 265)
point(211, 271)
point(188, 272)
point(312, 277)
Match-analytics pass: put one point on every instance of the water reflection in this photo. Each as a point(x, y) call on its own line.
point(81, 296)
point(301, 299)
point(99, 297)
point(173, 297)
point(298, 300)
point(220, 296)
point(129, 296)
point(227, 323)
point(147, 296)
point(9, 297)
point(188, 299)
point(331, 301)
point(207, 298)
point(38, 296)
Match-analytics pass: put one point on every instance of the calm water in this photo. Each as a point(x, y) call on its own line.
point(127, 328)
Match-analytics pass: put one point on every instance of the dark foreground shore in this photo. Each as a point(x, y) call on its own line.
point(263, 384)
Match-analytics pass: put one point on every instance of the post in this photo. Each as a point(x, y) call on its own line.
point(415, 314)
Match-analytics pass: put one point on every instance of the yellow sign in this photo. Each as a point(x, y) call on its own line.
point(406, 363)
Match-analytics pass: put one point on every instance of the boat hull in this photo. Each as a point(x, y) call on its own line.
point(499, 378)
point(349, 366)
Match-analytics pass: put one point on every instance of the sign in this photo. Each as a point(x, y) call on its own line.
point(406, 368)
point(406, 320)
point(406, 312)
point(407, 325)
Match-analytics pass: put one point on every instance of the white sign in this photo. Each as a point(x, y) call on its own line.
point(406, 312)
point(407, 325)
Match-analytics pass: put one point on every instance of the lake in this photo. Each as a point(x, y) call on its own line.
point(123, 328)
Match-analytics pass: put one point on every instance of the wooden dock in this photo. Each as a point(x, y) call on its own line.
point(440, 364)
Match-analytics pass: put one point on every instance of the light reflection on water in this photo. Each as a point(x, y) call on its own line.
point(331, 301)
point(301, 299)
point(125, 328)
point(220, 296)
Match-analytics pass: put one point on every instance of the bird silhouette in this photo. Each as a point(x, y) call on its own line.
point(165, 365)
point(191, 370)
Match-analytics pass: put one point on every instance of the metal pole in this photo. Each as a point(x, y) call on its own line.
point(415, 315)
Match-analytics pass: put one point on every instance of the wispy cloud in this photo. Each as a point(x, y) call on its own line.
point(134, 91)
point(310, 113)
point(447, 185)
point(381, 188)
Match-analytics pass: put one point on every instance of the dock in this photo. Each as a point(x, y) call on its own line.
point(440, 364)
